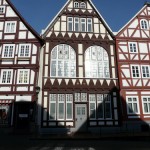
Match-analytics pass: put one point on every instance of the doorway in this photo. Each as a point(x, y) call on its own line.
point(81, 117)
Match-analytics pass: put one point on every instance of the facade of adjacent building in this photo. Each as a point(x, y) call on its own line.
point(133, 57)
point(78, 72)
point(19, 67)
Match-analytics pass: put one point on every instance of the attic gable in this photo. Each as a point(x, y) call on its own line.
point(78, 17)
point(134, 27)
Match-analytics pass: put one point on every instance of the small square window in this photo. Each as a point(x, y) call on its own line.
point(133, 47)
point(2, 9)
point(24, 50)
point(10, 27)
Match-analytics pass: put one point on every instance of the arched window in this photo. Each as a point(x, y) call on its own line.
point(76, 5)
point(96, 63)
point(63, 61)
point(82, 5)
point(144, 24)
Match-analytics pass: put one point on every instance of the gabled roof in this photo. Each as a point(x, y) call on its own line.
point(24, 21)
point(145, 5)
point(61, 10)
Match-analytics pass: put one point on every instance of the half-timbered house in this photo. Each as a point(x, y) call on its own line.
point(78, 72)
point(19, 67)
point(133, 55)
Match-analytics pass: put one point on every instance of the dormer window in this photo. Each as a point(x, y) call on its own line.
point(82, 5)
point(144, 24)
point(76, 5)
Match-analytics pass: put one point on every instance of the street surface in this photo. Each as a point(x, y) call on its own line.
point(26, 142)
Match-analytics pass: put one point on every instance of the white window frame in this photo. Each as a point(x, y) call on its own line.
point(144, 24)
point(135, 70)
point(70, 22)
point(20, 51)
point(23, 76)
point(145, 71)
point(89, 23)
point(60, 101)
point(2, 9)
point(6, 78)
point(78, 23)
point(92, 100)
point(132, 47)
point(11, 28)
point(83, 23)
point(76, 5)
point(71, 62)
point(96, 58)
point(82, 5)
point(53, 100)
point(147, 103)
point(132, 103)
point(10, 47)
point(69, 100)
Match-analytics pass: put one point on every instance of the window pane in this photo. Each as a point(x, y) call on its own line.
point(69, 110)
point(52, 111)
point(100, 110)
point(92, 111)
point(61, 111)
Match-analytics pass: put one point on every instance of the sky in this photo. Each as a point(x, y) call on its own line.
point(116, 13)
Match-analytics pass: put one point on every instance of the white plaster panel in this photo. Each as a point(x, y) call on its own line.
point(101, 123)
point(69, 124)
point(47, 47)
point(115, 114)
point(122, 57)
point(126, 72)
point(123, 48)
point(57, 26)
point(46, 59)
point(32, 76)
point(112, 61)
point(70, 4)
point(30, 35)
point(23, 98)
point(46, 71)
point(143, 48)
point(109, 122)
point(10, 12)
point(31, 88)
point(125, 83)
point(33, 60)
point(96, 20)
point(63, 26)
point(93, 123)
point(23, 62)
point(88, 6)
point(80, 48)
point(63, 18)
point(4, 97)
point(22, 26)
point(45, 102)
point(96, 28)
point(9, 37)
point(115, 101)
point(137, 33)
point(102, 28)
point(80, 60)
point(22, 89)
point(22, 35)
point(113, 73)
point(131, 93)
point(130, 31)
point(143, 34)
point(5, 88)
point(134, 24)
point(34, 49)
point(147, 93)
point(81, 72)
point(112, 49)
point(0, 35)
point(1, 25)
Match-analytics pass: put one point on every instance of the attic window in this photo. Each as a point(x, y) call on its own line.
point(76, 5)
point(82, 5)
point(2, 9)
point(144, 24)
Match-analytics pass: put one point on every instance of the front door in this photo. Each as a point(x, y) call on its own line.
point(81, 117)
